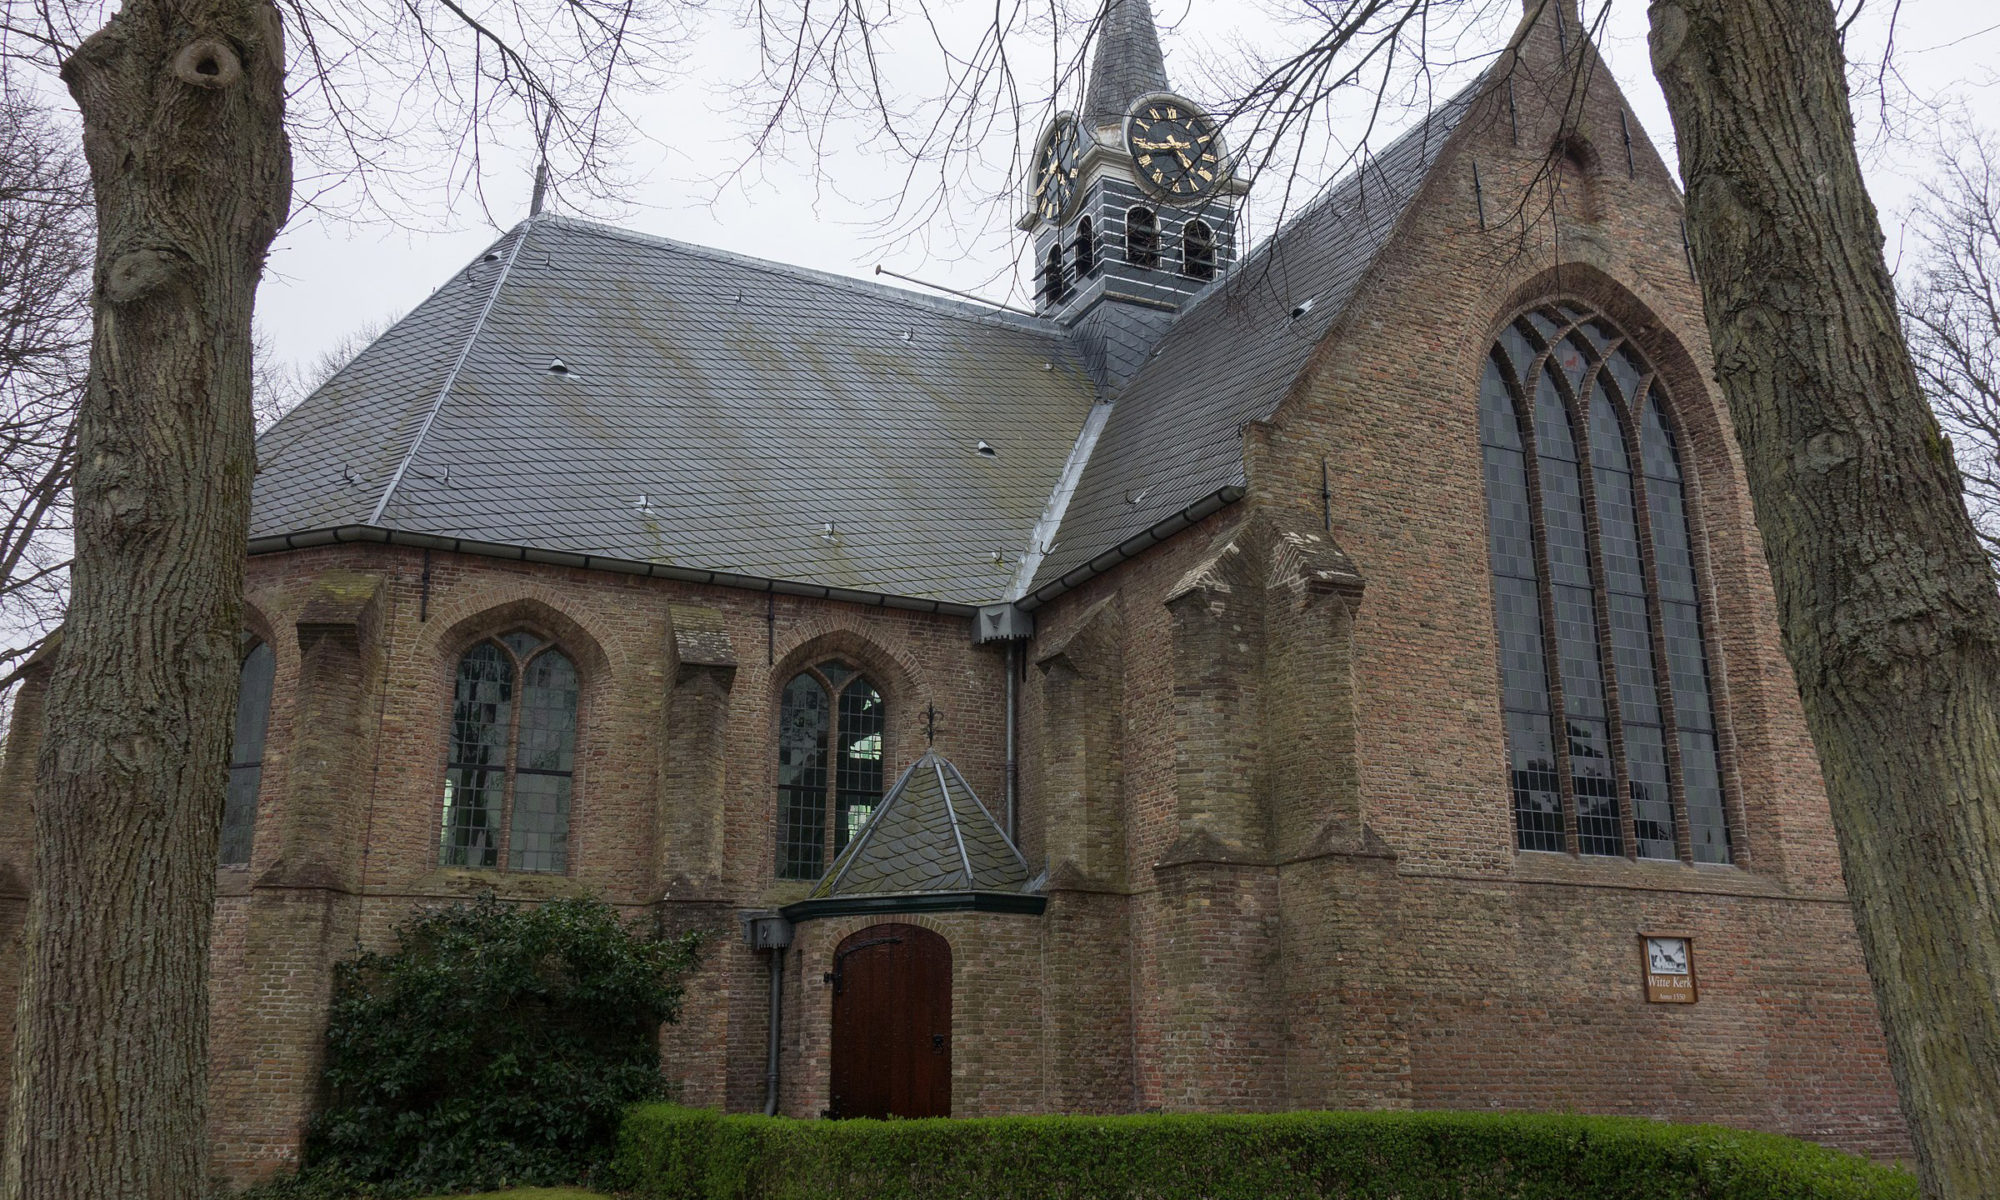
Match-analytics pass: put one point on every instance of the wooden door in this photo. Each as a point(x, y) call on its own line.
point(892, 1024)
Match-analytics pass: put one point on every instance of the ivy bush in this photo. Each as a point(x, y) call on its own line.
point(671, 1153)
point(496, 1045)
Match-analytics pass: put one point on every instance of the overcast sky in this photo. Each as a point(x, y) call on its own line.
point(328, 277)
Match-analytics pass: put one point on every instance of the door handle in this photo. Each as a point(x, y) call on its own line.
point(937, 1043)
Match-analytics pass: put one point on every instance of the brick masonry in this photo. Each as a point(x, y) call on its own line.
point(1263, 763)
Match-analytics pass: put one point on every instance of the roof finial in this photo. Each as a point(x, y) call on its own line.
point(541, 165)
point(930, 724)
point(1127, 64)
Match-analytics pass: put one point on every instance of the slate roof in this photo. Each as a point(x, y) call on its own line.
point(748, 403)
point(1173, 437)
point(1126, 64)
point(929, 834)
point(716, 413)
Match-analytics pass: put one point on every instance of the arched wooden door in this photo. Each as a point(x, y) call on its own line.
point(892, 1024)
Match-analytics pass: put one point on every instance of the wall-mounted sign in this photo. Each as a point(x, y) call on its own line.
point(1668, 962)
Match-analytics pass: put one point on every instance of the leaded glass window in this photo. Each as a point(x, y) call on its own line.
point(830, 724)
point(519, 692)
point(1595, 600)
point(246, 753)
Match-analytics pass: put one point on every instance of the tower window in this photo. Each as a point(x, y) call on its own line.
point(1600, 619)
point(1083, 250)
point(1053, 290)
point(1142, 237)
point(1198, 250)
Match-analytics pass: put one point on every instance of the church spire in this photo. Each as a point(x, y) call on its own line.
point(1127, 64)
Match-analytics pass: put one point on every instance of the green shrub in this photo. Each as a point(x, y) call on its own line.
point(495, 1045)
point(683, 1154)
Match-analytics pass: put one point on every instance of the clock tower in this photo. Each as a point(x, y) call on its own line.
point(1131, 202)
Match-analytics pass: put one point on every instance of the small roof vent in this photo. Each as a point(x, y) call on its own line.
point(1302, 308)
point(558, 367)
point(985, 451)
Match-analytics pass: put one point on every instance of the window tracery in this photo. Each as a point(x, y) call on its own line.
point(1595, 600)
point(518, 693)
point(831, 700)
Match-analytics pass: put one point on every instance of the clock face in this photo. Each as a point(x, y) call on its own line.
point(1053, 182)
point(1175, 146)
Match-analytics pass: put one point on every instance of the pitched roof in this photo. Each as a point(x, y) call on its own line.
point(713, 410)
point(929, 834)
point(1173, 438)
point(1126, 64)
point(719, 416)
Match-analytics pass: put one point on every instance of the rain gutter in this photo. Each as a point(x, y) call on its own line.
point(343, 534)
point(916, 902)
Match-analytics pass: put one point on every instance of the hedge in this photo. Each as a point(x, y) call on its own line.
point(671, 1153)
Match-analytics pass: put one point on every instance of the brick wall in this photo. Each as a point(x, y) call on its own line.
point(1420, 959)
point(1263, 763)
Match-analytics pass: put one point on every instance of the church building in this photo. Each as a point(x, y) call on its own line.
point(1146, 704)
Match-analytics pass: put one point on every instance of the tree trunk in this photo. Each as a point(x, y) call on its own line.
point(1888, 607)
point(183, 108)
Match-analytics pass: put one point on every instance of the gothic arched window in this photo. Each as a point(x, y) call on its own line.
point(1626, 669)
point(246, 753)
point(1083, 249)
point(510, 807)
point(1198, 250)
point(1142, 237)
point(831, 698)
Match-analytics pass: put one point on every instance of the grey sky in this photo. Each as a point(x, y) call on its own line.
point(329, 277)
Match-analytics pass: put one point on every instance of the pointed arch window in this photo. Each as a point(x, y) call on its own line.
point(254, 680)
point(1198, 250)
point(1611, 736)
point(1083, 249)
point(1142, 237)
point(512, 760)
point(817, 780)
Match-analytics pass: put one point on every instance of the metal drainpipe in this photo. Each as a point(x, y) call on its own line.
point(1013, 663)
point(777, 1024)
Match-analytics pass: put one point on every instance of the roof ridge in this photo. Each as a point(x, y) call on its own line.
point(852, 854)
point(951, 814)
point(1005, 838)
point(1043, 536)
point(451, 376)
point(958, 308)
